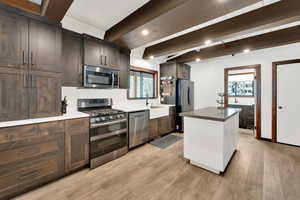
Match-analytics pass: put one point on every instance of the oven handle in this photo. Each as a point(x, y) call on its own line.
point(108, 123)
point(113, 80)
point(100, 137)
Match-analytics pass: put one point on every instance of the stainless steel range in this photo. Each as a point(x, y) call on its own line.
point(108, 130)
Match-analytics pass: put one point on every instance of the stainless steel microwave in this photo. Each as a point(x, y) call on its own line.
point(100, 77)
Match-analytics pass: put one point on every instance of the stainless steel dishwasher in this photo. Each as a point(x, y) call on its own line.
point(138, 128)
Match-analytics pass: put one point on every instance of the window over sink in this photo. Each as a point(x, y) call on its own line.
point(142, 83)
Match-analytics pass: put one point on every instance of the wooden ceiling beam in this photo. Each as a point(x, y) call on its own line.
point(267, 40)
point(55, 9)
point(146, 13)
point(24, 5)
point(284, 12)
point(165, 18)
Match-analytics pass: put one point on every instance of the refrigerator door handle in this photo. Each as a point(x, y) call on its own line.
point(188, 96)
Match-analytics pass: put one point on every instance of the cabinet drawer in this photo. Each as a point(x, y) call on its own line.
point(78, 125)
point(16, 137)
point(30, 152)
point(30, 174)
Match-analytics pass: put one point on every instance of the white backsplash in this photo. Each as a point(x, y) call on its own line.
point(119, 97)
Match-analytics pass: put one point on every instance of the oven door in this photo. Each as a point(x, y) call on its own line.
point(108, 137)
point(97, 77)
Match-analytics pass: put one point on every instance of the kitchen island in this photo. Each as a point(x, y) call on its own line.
point(211, 136)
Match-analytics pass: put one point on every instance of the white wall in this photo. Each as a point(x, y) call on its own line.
point(209, 77)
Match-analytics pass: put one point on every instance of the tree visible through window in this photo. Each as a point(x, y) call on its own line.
point(241, 85)
point(142, 84)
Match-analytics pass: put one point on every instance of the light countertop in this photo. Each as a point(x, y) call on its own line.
point(135, 108)
point(73, 115)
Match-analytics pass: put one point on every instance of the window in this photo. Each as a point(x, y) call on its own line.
point(241, 85)
point(142, 84)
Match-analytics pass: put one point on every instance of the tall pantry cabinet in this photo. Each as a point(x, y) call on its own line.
point(30, 69)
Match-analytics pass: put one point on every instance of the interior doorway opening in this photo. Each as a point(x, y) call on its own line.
point(243, 90)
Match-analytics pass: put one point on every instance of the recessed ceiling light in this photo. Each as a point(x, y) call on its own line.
point(246, 50)
point(145, 32)
point(151, 57)
point(198, 59)
point(207, 42)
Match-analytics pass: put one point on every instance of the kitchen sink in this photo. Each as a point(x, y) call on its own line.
point(158, 111)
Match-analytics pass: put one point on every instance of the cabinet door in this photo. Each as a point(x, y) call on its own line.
point(92, 51)
point(13, 94)
point(45, 47)
point(183, 71)
point(76, 144)
point(153, 129)
point(13, 40)
point(111, 56)
point(163, 125)
point(72, 59)
point(124, 69)
point(45, 94)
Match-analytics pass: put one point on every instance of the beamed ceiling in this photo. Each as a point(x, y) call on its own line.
point(53, 9)
point(228, 36)
point(164, 18)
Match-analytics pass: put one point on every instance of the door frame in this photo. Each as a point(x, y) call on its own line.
point(274, 94)
point(257, 68)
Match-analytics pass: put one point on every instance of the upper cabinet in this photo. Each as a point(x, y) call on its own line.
point(14, 40)
point(30, 62)
point(45, 46)
point(183, 71)
point(175, 70)
point(92, 51)
point(72, 45)
point(101, 53)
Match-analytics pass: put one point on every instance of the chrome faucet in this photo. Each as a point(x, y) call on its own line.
point(147, 101)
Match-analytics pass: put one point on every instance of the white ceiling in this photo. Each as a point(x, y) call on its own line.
point(103, 14)
point(36, 1)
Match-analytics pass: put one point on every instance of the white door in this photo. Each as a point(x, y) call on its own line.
point(288, 104)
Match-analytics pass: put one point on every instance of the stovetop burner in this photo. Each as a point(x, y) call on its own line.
point(103, 112)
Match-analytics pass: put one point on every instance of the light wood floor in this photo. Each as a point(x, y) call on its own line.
point(259, 170)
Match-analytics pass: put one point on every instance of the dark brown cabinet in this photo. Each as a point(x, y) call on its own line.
point(14, 40)
point(124, 68)
point(72, 58)
point(30, 52)
point(44, 94)
point(14, 94)
point(175, 70)
point(111, 55)
point(76, 144)
point(92, 51)
point(153, 129)
point(167, 124)
point(183, 71)
point(44, 47)
point(31, 155)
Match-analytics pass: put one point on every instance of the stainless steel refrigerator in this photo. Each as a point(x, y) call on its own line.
point(184, 99)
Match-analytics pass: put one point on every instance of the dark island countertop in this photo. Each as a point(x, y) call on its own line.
point(212, 113)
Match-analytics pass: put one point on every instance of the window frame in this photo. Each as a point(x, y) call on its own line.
point(155, 82)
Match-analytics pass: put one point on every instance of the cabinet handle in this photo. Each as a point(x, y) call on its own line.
point(23, 57)
point(105, 60)
point(31, 58)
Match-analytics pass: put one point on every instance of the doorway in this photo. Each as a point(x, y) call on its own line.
point(242, 88)
point(286, 104)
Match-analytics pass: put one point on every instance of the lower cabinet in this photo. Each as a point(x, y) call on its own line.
point(153, 129)
point(32, 155)
point(76, 144)
point(166, 125)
